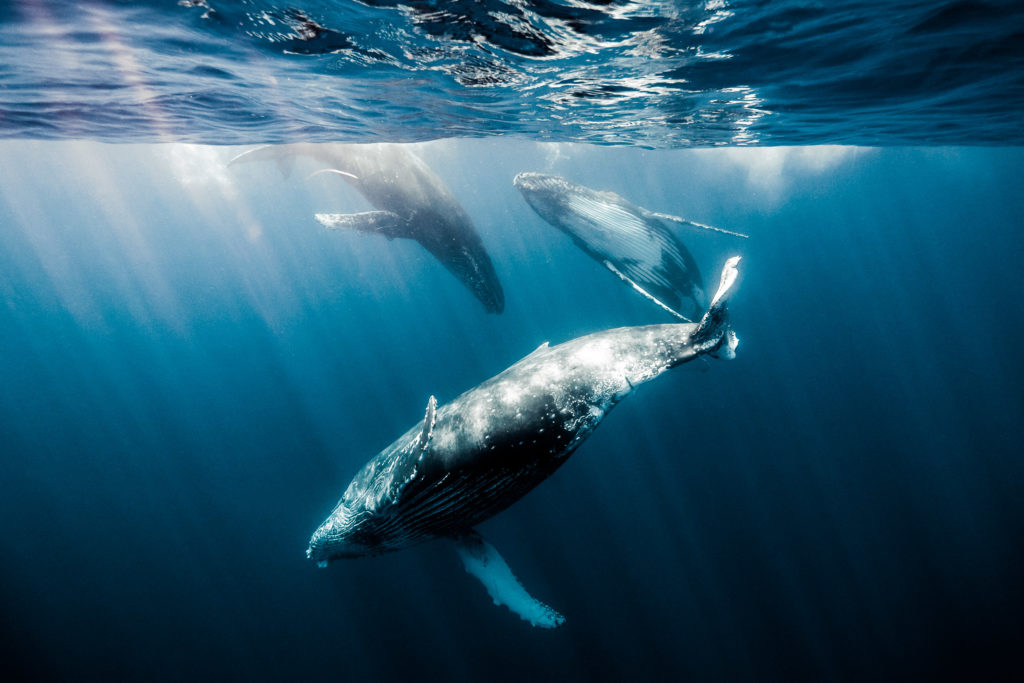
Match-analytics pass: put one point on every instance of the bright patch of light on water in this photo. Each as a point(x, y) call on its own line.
point(771, 171)
point(200, 165)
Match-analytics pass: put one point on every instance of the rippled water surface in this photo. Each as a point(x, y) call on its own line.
point(659, 74)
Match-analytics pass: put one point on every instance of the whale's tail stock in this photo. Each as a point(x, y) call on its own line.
point(714, 335)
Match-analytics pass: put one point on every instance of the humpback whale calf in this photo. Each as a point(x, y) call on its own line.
point(412, 202)
point(472, 458)
point(630, 241)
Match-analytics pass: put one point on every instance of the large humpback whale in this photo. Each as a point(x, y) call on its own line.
point(630, 241)
point(412, 202)
point(470, 459)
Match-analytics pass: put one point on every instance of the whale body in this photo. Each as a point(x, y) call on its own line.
point(632, 242)
point(411, 202)
point(473, 457)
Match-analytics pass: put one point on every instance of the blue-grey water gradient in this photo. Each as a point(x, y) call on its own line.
point(192, 369)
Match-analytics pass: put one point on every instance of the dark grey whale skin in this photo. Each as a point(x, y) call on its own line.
point(470, 459)
point(396, 181)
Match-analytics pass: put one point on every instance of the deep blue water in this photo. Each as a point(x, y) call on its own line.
point(193, 369)
point(659, 73)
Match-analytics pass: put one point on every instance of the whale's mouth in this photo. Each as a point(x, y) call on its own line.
point(332, 541)
point(321, 562)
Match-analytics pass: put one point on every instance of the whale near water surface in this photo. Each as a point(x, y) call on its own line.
point(411, 200)
point(630, 241)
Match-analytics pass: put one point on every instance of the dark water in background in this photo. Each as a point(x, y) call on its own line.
point(657, 74)
point(193, 369)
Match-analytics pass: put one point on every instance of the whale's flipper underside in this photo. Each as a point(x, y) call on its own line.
point(385, 223)
point(644, 291)
point(640, 250)
point(693, 224)
point(483, 561)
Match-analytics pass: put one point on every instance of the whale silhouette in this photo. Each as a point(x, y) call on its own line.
point(412, 202)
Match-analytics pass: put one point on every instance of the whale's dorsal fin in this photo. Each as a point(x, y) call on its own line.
point(542, 347)
point(386, 223)
point(482, 561)
point(428, 424)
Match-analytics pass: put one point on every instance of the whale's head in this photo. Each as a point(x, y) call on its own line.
point(547, 194)
point(338, 537)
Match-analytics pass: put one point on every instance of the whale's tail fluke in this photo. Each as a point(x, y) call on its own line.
point(714, 335)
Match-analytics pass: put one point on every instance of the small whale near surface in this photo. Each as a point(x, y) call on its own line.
point(411, 201)
point(628, 240)
point(473, 457)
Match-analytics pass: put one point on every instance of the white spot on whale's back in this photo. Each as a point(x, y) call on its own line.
point(596, 353)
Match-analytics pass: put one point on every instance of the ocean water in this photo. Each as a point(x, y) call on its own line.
point(192, 368)
point(656, 73)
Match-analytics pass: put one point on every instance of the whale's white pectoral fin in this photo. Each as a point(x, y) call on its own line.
point(608, 264)
point(281, 156)
point(250, 155)
point(695, 224)
point(483, 561)
point(386, 223)
point(337, 171)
